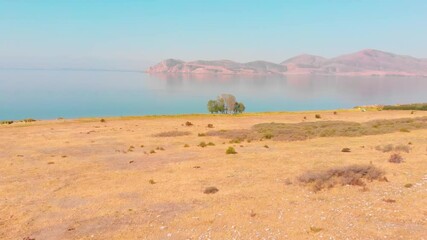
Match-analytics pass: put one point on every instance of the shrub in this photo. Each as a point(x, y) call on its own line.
point(230, 150)
point(160, 148)
point(395, 158)
point(315, 229)
point(211, 144)
point(404, 130)
point(317, 116)
point(188, 124)
point(27, 120)
point(408, 185)
point(268, 136)
point(152, 151)
point(151, 181)
point(142, 146)
point(172, 134)
point(346, 150)
point(266, 146)
point(347, 175)
point(102, 120)
point(389, 200)
point(202, 144)
point(6, 122)
point(201, 134)
point(210, 125)
point(210, 190)
point(186, 145)
point(335, 113)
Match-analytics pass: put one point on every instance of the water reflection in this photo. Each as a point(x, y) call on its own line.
point(51, 94)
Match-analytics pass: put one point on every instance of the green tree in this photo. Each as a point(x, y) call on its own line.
point(225, 103)
point(212, 106)
point(239, 107)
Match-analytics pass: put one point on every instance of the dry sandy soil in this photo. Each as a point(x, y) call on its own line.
point(81, 179)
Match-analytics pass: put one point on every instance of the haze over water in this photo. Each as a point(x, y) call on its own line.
point(44, 94)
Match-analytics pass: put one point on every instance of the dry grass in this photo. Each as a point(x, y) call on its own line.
point(347, 175)
point(172, 134)
point(395, 158)
point(391, 147)
point(306, 130)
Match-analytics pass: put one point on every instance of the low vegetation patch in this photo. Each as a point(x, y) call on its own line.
point(355, 175)
point(230, 150)
point(317, 116)
point(210, 125)
point(201, 134)
point(391, 147)
point(188, 124)
point(202, 144)
point(395, 158)
point(172, 134)
point(414, 106)
point(27, 120)
point(307, 130)
point(6, 122)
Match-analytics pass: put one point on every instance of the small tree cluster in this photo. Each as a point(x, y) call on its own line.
point(225, 103)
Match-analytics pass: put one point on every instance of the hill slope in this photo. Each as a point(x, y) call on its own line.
point(363, 63)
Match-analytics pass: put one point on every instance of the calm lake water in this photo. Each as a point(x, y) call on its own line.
point(43, 94)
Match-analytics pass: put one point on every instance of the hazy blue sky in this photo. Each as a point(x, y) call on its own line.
point(131, 32)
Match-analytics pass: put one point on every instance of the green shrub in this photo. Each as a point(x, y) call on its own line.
point(230, 150)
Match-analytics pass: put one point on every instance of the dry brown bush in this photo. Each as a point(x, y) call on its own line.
point(210, 190)
point(395, 158)
point(347, 175)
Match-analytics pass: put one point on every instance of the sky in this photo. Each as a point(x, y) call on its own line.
point(133, 34)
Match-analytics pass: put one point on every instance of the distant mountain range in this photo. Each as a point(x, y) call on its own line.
point(367, 62)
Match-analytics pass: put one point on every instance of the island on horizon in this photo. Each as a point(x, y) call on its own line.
point(368, 62)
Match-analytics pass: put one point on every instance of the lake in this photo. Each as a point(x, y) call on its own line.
point(49, 94)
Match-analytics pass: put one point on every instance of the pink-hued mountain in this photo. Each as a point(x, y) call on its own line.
point(363, 63)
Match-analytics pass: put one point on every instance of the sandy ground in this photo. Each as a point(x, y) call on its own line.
point(77, 179)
